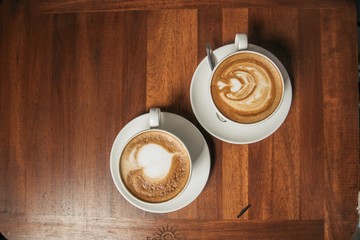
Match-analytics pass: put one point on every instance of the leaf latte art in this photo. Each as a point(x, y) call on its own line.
point(246, 87)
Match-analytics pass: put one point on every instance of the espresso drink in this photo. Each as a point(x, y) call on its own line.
point(155, 166)
point(246, 87)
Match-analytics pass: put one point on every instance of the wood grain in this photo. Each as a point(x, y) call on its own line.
point(94, 6)
point(71, 81)
point(235, 183)
point(13, 44)
point(170, 59)
point(341, 142)
point(210, 201)
point(274, 163)
point(87, 95)
point(130, 228)
point(312, 162)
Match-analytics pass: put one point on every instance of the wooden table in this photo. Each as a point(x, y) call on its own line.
point(73, 73)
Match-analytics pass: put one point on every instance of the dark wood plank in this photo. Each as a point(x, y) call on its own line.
point(62, 105)
point(210, 201)
point(130, 228)
point(130, 100)
point(13, 45)
point(283, 40)
point(311, 114)
point(93, 6)
point(341, 122)
point(85, 96)
point(36, 127)
point(274, 162)
point(108, 58)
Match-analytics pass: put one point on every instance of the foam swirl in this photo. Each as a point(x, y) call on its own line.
point(154, 166)
point(246, 88)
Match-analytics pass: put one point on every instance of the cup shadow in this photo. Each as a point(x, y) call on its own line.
point(277, 45)
point(207, 136)
point(180, 110)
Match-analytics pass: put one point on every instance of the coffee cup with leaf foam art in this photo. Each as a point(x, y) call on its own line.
point(155, 165)
point(245, 87)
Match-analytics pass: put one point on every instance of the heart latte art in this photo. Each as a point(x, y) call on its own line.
point(155, 166)
point(246, 87)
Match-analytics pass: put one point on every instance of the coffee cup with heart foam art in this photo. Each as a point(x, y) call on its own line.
point(246, 87)
point(155, 165)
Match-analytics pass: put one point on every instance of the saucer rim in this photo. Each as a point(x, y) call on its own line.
point(176, 203)
point(285, 105)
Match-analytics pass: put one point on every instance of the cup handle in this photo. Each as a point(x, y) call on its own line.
point(154, 117)
point(241, 41)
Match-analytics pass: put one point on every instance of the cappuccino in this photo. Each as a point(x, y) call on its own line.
point(155, 166)
point(246, 87)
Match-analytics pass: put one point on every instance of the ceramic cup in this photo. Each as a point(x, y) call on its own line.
point(155, 165)
point(245, 87)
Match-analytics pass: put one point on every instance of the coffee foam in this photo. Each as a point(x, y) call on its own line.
point(246, 87)
point(155, 166)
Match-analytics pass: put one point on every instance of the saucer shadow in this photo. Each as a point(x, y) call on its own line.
point(195, 143)
point(274, 43)
point(207, 136)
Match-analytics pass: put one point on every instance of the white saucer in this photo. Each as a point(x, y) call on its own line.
point(227, 131)
point(193, 140)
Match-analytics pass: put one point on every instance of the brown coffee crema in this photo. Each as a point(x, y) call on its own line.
point(155, 166)
point(246, 87)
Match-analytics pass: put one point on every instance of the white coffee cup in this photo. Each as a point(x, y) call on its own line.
point(245, 87)
point(155, 165)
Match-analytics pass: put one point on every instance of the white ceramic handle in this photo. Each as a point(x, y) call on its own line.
point(154, 117)
point(241, 41)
